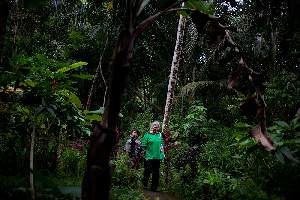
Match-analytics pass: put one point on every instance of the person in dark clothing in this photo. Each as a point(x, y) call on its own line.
point(133, 149)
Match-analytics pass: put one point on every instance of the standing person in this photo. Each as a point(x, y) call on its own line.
point(133, 148)
point(152, 143)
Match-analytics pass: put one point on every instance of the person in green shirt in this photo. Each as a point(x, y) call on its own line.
point(152, 143)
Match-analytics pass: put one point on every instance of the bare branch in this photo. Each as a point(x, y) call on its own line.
point(98, 70)
point(147, 22)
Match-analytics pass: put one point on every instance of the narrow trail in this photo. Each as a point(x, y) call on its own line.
point(148, 195)
point(157, 196)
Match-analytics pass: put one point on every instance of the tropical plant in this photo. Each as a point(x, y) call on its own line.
point(287, 139)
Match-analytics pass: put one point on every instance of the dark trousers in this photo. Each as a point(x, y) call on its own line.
point(151, 167)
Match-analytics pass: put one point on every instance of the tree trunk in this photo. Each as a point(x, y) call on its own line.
point(118, 77)
point(174, 69)
point(31, 162)
point(171, 86)
point(97, 179)
point(4, 11)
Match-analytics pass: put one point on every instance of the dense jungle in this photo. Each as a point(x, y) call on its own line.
point(220, 77)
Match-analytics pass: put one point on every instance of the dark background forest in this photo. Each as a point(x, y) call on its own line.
point(56, 65)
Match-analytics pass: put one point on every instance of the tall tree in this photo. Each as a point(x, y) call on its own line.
point(174, 70)
point(177, 56)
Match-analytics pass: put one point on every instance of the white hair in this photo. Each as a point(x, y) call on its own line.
point(155, 123)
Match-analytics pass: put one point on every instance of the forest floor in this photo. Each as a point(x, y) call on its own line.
point(74, 191)
point(157, 196)
point(148, 195)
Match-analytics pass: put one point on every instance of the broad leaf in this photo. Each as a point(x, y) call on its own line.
point(202, 6)
point(279, 156)
point(282, 124)
point(93, 117)
point(86, 131)
point(83, 76)
point(241, 125)
point(285, 151)
point(295, 123)
point(73, 98)
point(99, 111)
point(73, 66)
point(28, 83)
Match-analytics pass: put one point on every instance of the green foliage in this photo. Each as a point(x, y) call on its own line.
point(281, 96)
point(126, 182)
point(218, 185)
point(230, 165)
point(142, 122)
point(203, 6)
point(70, 97)
point(195, 125)
point(72, 67)
point(120, 193)
point(286, 136)
point(241, 167)
point(83, 76)
point(71, 163)
point(43, 40)
point(124, 176)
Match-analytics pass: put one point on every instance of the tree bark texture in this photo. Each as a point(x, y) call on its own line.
point(171, 87)
point(118, 77)
point(97, 179)
point(174, 70)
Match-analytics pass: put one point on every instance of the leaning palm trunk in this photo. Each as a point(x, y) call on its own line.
point(172, 82)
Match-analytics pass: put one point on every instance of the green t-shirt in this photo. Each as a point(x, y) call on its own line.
point(153, 145)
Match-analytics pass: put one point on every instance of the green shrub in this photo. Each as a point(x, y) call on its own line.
point(124, 176)
point(121, 193)
point(71, 163)
point(142, 122)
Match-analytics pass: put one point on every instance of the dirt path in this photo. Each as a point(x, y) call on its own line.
point(157, 196)
point(148, 195)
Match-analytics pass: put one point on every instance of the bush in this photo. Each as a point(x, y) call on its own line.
point(120, 193)
point(124, 176)
point(71, 163)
